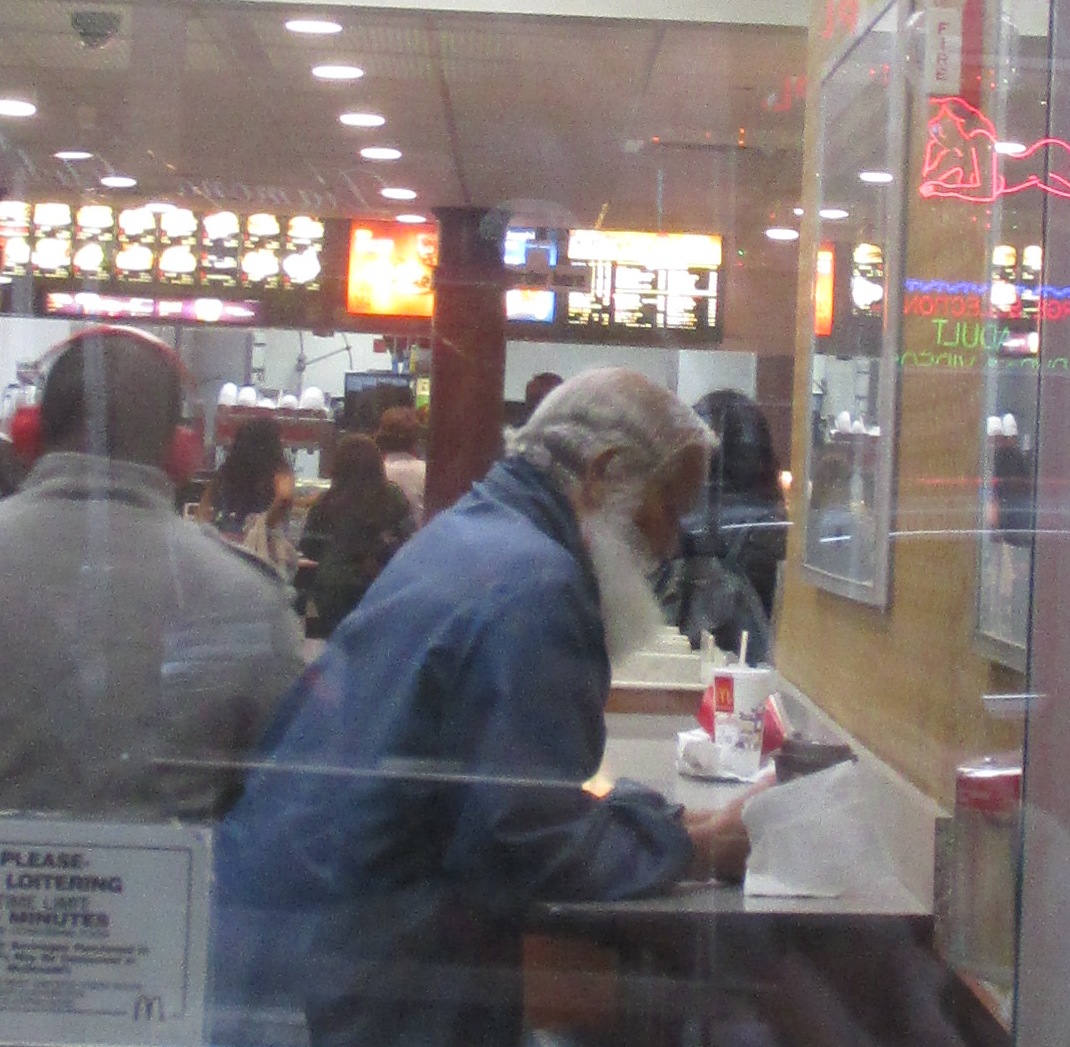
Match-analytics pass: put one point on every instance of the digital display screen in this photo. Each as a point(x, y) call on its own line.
point(530, 304)
point(179, 248)
point(391, 267)
point(50, 252)
point(14, 238)
point(137, 246)
point(639, 281)
point(134, 307)
point(301, 265)
point(867, 280)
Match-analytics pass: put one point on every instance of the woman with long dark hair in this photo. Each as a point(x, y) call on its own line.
point(353, 529)
point(252, 493)
point(725, 579)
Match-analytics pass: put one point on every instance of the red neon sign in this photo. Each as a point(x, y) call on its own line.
point(961, 161)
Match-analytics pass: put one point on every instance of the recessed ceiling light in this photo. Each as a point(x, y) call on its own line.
point(1010, 148)
point(337, 72)
point(397, 193)
point(118, 181)
point(380, 152)
point(876, 177)
point(782, 233)
point(411, 219)
point(833, 214)
point(362, 119)
point(798, 212)
point(313, 26)
point(73, 154)
point(16, 107)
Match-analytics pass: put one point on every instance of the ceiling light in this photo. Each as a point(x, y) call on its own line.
point(411, 219)
point(782, 233)
point(16, 107)
point(362, 119)
point(875, 177)
point(798, 212)
point(118, 181)
point(397, 193)
point(313, 26)
point(380, 152)
point(1010, 148)
point(73, 154)
point(337, 72)
point(833, 214)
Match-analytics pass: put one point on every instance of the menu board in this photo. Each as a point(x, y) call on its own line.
point(14, 238)
point(179, 248)
point(391, 267)
point(219, 243)
point(50, 250)
point(301, 264)
point(645, 282)
point(137, 241)
point(867, 280)
point(94, 241)
point(261, 262)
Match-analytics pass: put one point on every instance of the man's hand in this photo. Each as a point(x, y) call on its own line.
point(719, 837)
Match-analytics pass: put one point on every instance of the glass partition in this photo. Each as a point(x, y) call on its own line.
point(856, 315)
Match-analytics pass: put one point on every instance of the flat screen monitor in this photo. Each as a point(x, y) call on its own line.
point(369, 393)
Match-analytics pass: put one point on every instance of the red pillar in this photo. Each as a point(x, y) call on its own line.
point(468, 353)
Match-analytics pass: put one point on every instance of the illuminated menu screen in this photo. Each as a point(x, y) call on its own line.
point(645, 282)
point(867, 280)
point(166, 261)
point(391, 268)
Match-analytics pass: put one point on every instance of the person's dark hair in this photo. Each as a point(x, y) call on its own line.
point(745, 462)
point(246, 481)
point(358, 477)
point(399, 430)
point(538, 388)
point(117, 394)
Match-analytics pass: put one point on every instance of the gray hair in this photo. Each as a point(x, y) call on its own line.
point(610, 409)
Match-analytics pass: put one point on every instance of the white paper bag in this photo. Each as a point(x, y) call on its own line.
point(809, 837)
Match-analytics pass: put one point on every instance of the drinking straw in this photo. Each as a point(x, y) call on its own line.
point(744, 637)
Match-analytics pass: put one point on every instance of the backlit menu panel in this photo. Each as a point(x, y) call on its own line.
point(220, 242)
point(391, 268)
point(642, 281)
point(50, 250)
point(94, 241)
point(137, 241)
point(301, 264)
point(261, 262)
point(179, 248)
point(14, 238)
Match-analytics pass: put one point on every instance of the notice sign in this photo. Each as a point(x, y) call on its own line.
point(943, 51)
point(103, 933)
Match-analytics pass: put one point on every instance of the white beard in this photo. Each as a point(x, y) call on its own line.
point(631, 615)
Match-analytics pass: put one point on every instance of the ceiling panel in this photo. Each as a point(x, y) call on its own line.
point(627, 122)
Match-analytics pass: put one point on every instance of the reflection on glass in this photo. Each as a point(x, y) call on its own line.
point(855, 304)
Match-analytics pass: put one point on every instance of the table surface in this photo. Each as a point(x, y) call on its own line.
point(643, 748)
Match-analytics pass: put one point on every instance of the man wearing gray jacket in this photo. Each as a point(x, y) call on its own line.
point(141, 657)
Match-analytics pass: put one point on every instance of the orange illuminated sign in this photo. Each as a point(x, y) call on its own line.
point(823, 288)
point(390, 269)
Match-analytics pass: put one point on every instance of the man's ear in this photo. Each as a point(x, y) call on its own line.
point(593, 483)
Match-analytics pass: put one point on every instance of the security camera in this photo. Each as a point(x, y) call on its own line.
point(96, 28)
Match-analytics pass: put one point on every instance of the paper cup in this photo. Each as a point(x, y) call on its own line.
point(740, 693)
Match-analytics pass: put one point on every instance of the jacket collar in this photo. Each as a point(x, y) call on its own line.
point(73, 476)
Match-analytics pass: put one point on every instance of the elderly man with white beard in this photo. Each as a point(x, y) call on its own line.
point(423, 786)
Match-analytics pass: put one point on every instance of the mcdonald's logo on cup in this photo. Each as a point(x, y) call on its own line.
point(148, 1008)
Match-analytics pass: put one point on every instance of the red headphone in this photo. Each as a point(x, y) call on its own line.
point(186, 449)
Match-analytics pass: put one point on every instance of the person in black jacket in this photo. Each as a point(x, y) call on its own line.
point(725, 577)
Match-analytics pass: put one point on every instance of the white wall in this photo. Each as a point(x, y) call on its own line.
point(217, 355)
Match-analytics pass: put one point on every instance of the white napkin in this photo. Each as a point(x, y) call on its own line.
point(809, 838)
point(697, 755)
